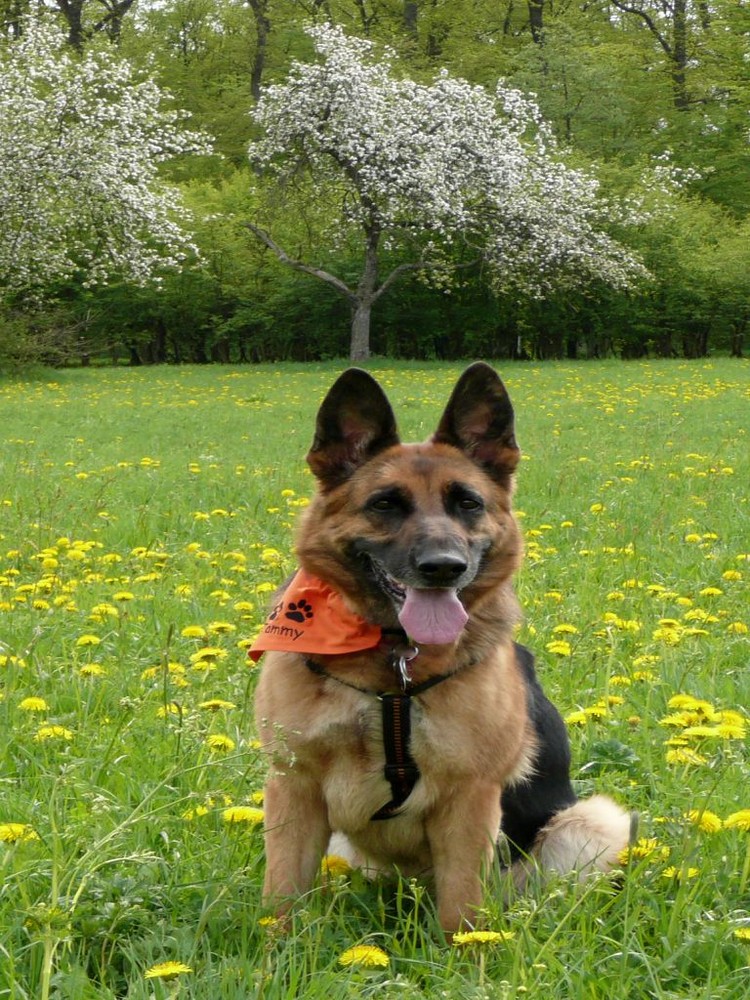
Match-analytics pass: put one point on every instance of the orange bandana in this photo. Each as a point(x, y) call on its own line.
point(311, 617)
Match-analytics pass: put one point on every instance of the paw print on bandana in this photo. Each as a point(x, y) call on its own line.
point(299, 611)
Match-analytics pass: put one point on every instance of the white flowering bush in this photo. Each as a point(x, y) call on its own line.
point(81, 140)
point(424, 166)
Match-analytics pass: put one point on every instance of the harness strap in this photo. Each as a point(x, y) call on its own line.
point(400, 770)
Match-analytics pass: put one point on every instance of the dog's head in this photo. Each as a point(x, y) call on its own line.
point(415, 534)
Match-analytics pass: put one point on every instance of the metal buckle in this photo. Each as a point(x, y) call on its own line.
point(403, 658)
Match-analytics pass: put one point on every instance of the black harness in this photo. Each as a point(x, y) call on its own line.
point(400, 770)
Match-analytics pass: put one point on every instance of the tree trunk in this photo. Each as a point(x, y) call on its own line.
point(536, 20)
point(411, 15)
point(366, 293)
point(262, 30)
point(72, 11)
point(737, 338)
point(679, 55)
point(360, 338)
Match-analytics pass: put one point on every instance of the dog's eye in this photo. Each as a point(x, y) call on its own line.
point(383, 503)
point(469, 503)
point(388, 503)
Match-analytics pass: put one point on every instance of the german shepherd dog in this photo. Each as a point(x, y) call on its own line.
point(420, 732)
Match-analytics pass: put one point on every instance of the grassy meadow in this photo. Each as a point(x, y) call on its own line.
point(145, 517)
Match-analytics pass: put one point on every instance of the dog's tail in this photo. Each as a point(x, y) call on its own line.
point(586, 837)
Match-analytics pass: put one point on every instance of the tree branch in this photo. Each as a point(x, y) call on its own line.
point(419, 266)
point(316, 272)
point(628, 8)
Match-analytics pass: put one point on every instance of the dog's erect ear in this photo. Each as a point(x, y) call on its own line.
point(355, 422)
point(479, 420)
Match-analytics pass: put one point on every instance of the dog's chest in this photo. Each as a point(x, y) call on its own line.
point(346, 748)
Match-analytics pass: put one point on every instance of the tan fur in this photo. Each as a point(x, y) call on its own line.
point(471, 734)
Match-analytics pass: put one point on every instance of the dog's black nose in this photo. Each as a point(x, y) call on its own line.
point(441, 570)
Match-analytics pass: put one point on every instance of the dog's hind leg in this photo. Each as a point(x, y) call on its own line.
point(586, 837)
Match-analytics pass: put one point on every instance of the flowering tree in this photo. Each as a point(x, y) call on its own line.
point(422, 168)
point(80, 144)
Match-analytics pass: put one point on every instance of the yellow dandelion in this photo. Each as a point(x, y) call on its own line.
point(742, 933)
point(11, 661)
point(221, 628)
point(218, 799)
point(88, 640)
point(194, 632)
point(707, 822)
point(171, 708)
point(167, 970)
point(731, 730)
point(17, 833)
point(738, 628)
point(723, 732)
point(99, 611)
point(565, 629)
point(191, 814)
point(207, 655)
point(367, 956)
point(691, 704)
point(92, 670)
point(644, 848)
point(596, 712)
point(33, 705)
point(738, 821)
point(124, 596)
point(243, 814)
point(220, 743)
point(668, 635)
point(53, 733)
point(334, 866)
point(217, 704)
point(711, 592)
point(560, 647)
point(467, 938)
point(684, 755)
point(680, 874)
point(576, 718)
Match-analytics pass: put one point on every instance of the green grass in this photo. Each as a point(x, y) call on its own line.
point(134, 504)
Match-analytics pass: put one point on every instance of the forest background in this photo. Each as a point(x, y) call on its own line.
point(629, 89)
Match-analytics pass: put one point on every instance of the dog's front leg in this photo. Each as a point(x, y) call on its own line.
point(296, 835)
point(462, 832)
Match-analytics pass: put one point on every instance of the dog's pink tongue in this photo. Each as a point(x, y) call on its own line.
point(432, 617)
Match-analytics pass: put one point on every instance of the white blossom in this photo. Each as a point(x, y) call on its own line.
point(80, 143)
point(428, 165)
